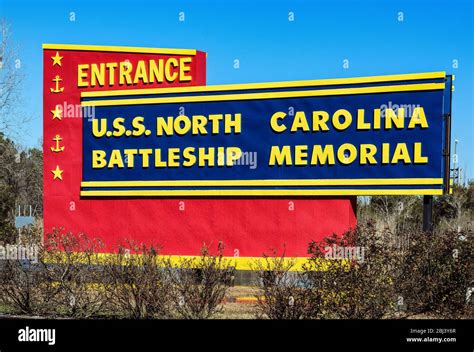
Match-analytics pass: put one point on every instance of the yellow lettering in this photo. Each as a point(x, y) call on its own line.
point(397, 119)
point(320, 120)
point(97, 75)
point(82, 75)
point(418, 118)
point(145, 153)
point(186, 124)
point(401, 153)
point(385, 153)
point(300, 122)
point(115, 159)
point(215, 118)
point(346, 158)
point(274, 124)
point(322, 156)
point(418, 158)
point(199, 123)
point(173, 157)
point(140, 73)
point(96, 131)
point(232, 124)
point(124, 73)
point(279, 156)
point(164, 126)
point(361, 124)
point(232, 154)
point(184, 67)
point(170, 76)
point(367, 152)
point(156, 71)
point(130, 156)
point(338, 125)
point(188, 155)
point(209, 157)
point(119, 128)
point(98, 159)
point(111, 66)
point(301, 153)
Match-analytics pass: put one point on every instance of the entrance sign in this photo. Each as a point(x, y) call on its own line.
point(137, 147)
point(248, 226)
point(369, 136)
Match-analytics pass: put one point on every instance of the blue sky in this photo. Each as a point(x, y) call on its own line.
point(269, 47)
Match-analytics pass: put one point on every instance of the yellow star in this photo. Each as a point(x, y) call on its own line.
point(57, 113)
point(56, 59)
point(58, 173)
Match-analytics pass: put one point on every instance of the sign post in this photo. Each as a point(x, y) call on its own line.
point(428, 214)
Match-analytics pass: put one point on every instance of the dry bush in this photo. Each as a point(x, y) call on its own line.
point(354, 287)
point(357, 287)
point(432, 274)
point(73, 279)
point(138, 286)
point(62, 280)
point(20, 289)
point(284, 294)
point(436, 274)
point(71, 276)
point(199, 285)
point(20, 280)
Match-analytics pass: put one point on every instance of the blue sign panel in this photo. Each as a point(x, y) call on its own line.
point(367, 136)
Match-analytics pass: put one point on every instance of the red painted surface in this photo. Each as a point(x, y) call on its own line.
point(251, 225)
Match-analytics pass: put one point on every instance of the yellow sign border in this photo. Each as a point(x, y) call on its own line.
point(261, 192)
point(176, 261)
point(269, 85)
point(273, 182)
point(268, 95)
point(119, 49)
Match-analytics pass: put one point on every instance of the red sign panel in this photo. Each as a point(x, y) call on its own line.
point(248, 226)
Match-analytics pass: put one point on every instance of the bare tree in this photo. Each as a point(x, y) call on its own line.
point(11, 120)
point(20, 180)
point(458, 200)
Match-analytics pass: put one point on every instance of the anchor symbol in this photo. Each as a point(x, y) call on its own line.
point(57, 79)
point(57, 149)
